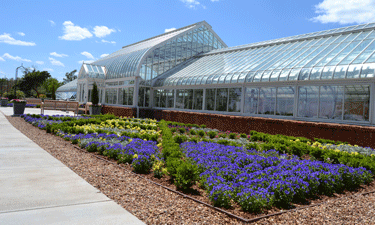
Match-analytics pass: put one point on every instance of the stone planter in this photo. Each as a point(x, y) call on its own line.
point(95, 110)
point(18, 108)
point(4, 102)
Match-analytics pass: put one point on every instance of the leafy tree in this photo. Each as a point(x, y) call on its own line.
point(50, 86)
point(70, 77)
point(32, 80)
point(95, 95)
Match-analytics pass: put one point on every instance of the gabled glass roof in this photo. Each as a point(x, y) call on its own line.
point(69, 87)
point(126, 61)
point(323, 55)
point(92, 71)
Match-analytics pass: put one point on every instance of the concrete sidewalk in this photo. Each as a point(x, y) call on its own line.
point(36, 188)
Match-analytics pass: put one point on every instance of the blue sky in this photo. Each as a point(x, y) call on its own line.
point(58, 35)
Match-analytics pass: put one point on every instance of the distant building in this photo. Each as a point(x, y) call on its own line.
point(67, 91)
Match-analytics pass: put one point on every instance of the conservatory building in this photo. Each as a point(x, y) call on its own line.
point(325, 76)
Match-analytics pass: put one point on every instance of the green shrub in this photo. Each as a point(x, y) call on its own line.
point(252, 145)
point(182, 130)
point(223, 142)
point(232, 135)
point(203, 126)
point(194, 139)
point(142, 164)
point(193, 132)
point(212, 134)
point(201, 133)
point(173, 129)
point(172, 165)
point(222, 135)
point(186, 175)
point(92, 148)
point(243, 135)
point(180, 138)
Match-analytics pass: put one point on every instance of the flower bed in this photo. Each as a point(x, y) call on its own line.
point(251, 171)
point(258, 180)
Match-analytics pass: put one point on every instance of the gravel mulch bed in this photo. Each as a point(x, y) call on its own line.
point(155, 205)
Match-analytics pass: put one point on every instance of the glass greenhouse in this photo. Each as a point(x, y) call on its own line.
point(67, 91)
point(324, 76)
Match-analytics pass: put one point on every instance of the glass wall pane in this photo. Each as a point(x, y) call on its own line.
point(368, 70)
point(157, 94)
point(163, 98)
point(251, 100)
point(327, 72)
point(340, 72)
point(210, 99)
point(147, 97)
point(267, 99)
point(221, 99)
point(234, 78)
point(130, 95)
point(249, 77)
point(331, 102)
point(198, 99)
point(120, 97)
point(180, 98)
point(188, 99)
point(285, 101)
point(170, 98)
point(357, 102)
point(234, 100)
point(141, 97)
point(222, 79)
point(308, 101)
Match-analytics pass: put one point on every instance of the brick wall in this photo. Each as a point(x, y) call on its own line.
point(353, 134)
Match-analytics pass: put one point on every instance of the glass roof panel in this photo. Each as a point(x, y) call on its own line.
point(304, 75)
point(266, 76)
point(365, 54)
point(235, 77)
point(275, 75)
point(353, 71)
point(315, 73)
point(340, 72)
point(294, 73)
point(368, 70)
point(257, 76)
point(284, 74)
point(327, 72)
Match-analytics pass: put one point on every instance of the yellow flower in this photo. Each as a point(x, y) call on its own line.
point(135, 156)
point(130, 140)
point(145, 139)
point(355, 145)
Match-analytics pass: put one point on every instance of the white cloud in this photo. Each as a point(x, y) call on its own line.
point(39, 62)
point(111, 42)
point(52, 23)
point(6, 38)
point(17, 58)
point(55, 62)
point(86, 61)
point(21, 33)
point(169, 30)
point(102, 31)
point(345, 12)
point(191, 4)
point(87, 54)
point(1, 59)
point(48, 69)
point(74, 33)
point(58, 55)
point(104, 55)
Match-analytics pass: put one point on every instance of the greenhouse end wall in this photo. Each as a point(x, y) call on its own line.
point(353, 134)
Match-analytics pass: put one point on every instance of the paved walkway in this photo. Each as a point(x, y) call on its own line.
point(36, 188)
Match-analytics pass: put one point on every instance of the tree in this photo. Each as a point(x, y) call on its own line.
point(95, 95)
point(50, 86)
point(70, 77)
point(32, 80)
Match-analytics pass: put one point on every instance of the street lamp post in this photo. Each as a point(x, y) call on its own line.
point(15, 86)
